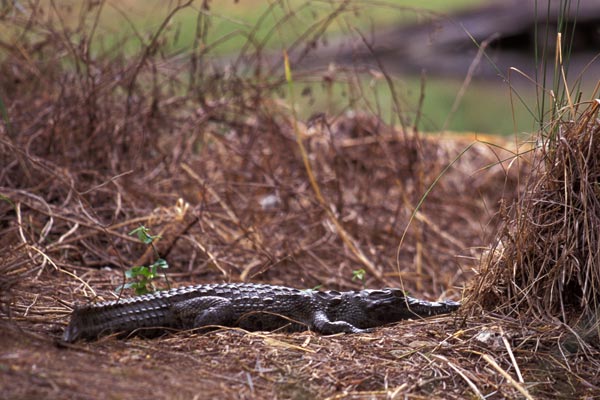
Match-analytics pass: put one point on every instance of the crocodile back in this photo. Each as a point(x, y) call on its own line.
point(153, 313)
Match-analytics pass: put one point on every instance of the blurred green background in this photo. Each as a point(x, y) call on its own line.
point(487, 105)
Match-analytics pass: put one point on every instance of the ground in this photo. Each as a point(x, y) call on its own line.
point(444, 357)
point(239, 188)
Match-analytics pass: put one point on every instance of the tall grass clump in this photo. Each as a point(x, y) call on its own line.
point(545, 265)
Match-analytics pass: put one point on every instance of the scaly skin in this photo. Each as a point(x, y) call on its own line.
point(251, 307)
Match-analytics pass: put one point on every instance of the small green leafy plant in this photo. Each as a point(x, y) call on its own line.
point(359, 275)
point(142, 277)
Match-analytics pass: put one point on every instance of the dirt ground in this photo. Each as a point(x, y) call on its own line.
point(293, 243)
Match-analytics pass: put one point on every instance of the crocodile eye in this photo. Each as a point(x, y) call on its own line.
point(335, 301)
point(397, 292)
point(379, 294)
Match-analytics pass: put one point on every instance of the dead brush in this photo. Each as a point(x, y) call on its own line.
point(546, 265)
point(103, 141)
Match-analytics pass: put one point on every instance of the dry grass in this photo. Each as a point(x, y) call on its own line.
point(545, 266)
point(94, 145)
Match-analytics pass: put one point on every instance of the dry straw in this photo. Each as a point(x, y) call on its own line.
point(545, 264)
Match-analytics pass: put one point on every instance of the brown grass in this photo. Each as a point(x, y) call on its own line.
point(93, 145)
point(545, 264)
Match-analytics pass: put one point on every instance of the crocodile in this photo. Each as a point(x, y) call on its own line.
point(252, 307)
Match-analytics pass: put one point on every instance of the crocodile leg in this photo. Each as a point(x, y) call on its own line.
point(322, 324)
point(204, 311)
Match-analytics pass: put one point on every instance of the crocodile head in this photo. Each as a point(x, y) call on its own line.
point(369, 308)
point(386, 305)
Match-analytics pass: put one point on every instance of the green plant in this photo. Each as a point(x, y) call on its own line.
point(142, 277)
point(359, 275)
point(554, 103)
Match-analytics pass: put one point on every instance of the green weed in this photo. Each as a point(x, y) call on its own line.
point(142, 277)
